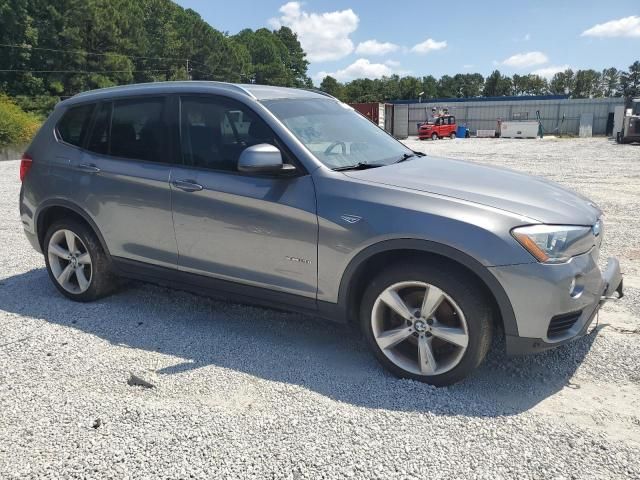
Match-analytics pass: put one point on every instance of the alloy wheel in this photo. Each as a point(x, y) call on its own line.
point(70, 261)
point(419, 328)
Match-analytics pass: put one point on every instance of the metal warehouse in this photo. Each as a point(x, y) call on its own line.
point(558, 113)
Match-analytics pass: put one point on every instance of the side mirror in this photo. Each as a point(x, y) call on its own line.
point(263, 158)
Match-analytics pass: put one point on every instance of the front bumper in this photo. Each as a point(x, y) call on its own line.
point(538, 293)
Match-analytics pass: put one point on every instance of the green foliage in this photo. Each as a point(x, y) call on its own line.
point(529, 85)
point(630, 81)
point(609, 82)
point(580, 84)
point(331, 86)
point(497, 85)
point(86, 44)
point(16, 126)
point(587, 84)
point(563, 82)
point(40, 105)
point(69, 46)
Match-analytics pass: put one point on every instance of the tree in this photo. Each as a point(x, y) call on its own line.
point(537, 85)
point(296, 58)
point(497, 85)
point(84, 44)
point(430, 86)
point(562, 82)
point(587, 84)
point(390, 87)
point(57, 48)
point(609, 82)
point(410, 87)
point(331, 86)
point(469, 85)
point(447, 87)
point(520, 84)
point(630, 81)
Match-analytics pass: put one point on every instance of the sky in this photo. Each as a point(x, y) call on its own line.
point(358, 38)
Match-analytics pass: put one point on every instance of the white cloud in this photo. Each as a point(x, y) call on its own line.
point(392, 63)
point(548, 72)
point(467, 66)
point(523, 60)
point(324, 36)
point(428, 45)
point(525, 38)
point(361, 68)
point(622, 27)
point(374, 47)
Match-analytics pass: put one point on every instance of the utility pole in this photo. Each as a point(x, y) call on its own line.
point(188, 71)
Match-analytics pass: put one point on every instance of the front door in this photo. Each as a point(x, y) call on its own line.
point(122, 180)
point(249, 229)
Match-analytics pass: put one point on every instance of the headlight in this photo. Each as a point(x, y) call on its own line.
point(555, 243)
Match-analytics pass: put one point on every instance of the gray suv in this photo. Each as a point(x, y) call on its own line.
point(290, 199)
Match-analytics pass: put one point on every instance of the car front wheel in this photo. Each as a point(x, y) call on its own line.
point(76, 262)
point(426, 323)
point(434, 136)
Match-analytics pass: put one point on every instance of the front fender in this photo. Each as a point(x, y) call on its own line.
point(450, 253)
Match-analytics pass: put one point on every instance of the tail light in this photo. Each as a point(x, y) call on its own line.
point(25, 166)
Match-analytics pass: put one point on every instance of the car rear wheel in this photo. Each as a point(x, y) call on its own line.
point(452, 136)
point(76, 262)
point(434, 136)
point(426, 323)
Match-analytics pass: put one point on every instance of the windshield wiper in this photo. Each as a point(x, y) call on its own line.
point(357, 166)
point(407, 156)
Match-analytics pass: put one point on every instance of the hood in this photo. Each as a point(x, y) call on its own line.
point(518, 193)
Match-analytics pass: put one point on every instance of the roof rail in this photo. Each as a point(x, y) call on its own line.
point(319, 92)
point(235, 86)
point(239, 87)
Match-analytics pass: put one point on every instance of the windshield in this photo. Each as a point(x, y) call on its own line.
point(335, 133)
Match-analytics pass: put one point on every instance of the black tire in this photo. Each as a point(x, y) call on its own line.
point(455, 282)
point(103, 281)
point(434, 136)
point(452, 135)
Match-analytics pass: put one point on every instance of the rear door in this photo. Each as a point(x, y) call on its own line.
point(250, 229)
point(122, 179)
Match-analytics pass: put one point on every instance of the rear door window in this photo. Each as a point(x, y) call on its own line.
point(138, 130)
point(74, 124)
point(99, 140)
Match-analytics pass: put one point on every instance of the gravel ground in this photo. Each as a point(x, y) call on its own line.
point(241, 392)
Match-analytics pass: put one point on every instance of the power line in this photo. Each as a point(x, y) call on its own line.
point(208, 71)
point(84, 52)
point(83, 71)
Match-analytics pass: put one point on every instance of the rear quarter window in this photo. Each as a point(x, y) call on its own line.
point(74, 124)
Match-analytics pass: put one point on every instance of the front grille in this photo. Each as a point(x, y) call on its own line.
point(561, 323)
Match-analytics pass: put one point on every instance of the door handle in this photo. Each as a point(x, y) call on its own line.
point(88, 168)
point(187, 185)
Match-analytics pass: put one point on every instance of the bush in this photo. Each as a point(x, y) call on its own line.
point(17, 127)
point(40, 106)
